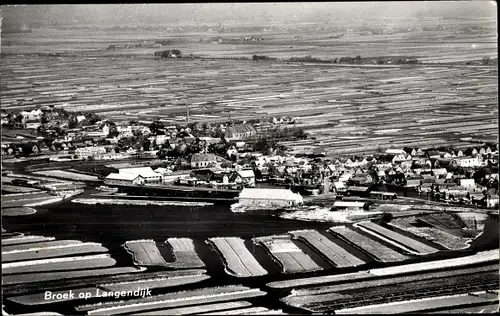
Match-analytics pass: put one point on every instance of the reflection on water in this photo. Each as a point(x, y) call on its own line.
point(118, 223)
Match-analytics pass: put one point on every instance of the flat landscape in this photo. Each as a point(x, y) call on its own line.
point(265, 158)
point(348, 108)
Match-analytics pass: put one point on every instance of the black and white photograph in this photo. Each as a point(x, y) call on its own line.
point(249, 158)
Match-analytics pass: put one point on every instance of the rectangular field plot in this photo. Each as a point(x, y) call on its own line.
point(145, 253)
point(205, 309)
point(433, 234)
point(58, 264)
point(372, 247)
point(335, 254)
point(173, 300)
point(238, 261)
point(290, 257)
point(423, 305)
point(66, 175)
point(184, 253)
point(51, 252)
point(406, 242)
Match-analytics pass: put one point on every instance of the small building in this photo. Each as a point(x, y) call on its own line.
point(269, 197)
point(383, 195)
point(358, 190)
point(468, 184)
point(123, 179)
point(203, 160)
point(247, 177)
point(350, 205)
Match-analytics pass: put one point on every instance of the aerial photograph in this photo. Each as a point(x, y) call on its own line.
point(246, 158)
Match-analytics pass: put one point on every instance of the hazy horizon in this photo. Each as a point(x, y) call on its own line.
point(210, 13)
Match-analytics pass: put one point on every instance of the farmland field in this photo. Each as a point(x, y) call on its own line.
point(145, 253)
point(369, 245)
point(437, 235)
point(423, 105)
point(288, 255)
point(335, 254)
point(184, 253)
point(410, 244)
point(238, 260)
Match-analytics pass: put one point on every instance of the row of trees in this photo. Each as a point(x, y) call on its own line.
point(170, 53)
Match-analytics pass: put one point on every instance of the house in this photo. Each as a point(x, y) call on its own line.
point(149, 176)
point(350, 205)
point(163, 171)
point(383, 195)
point(468, 184)
point(90, 151)
point(492, 201)
point(358, 190)
point(247, 177)
point(123, 179)
point(203, 160)
point(239, 131)
point(467, 161)
point(269, 197)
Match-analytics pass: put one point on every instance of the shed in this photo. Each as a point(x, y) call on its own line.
point(269, 197)
point(351, 205)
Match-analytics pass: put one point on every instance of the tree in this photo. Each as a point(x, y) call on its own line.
point(387, 217)
point(485, 60)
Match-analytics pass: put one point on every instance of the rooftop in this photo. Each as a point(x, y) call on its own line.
point(272, 194)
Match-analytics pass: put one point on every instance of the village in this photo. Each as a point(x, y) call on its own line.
point(232, 155)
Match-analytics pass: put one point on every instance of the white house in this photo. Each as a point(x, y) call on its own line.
point(247, 176)
point(269, 197)
point(149, 176)
point(123, 179)
point(350, 205)
point(203, 160)
point(468, 161)
point(90, 151)
point(468, 184)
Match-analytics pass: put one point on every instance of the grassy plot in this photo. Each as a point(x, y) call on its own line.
point(16, 279)
point(374, 283)
point(25, 240)
point(217, 309)
point(66, 175)
point(256, 310)
point(480, 257)
point(335, 254)
point(42, 244)
point(433, 234)
point(372, 247)
point(58, 264)
point(52, 252)
point(238, 261)
point(17, 189)
point(407, 243)
point(145, 253)
point(173, 300)
point(102, 276)
point(184, 253)
point(422, 305)
point(305, 282)
point(154, 283)
point(290, 257)
point(18, 211)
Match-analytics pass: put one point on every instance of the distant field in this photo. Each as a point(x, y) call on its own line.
point(350, 109)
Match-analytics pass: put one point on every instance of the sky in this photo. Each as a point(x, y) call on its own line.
point(135, 14)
